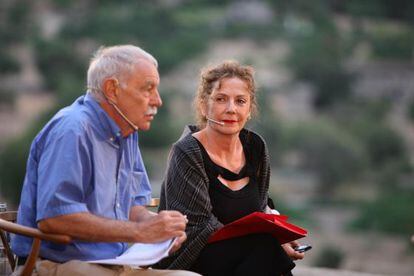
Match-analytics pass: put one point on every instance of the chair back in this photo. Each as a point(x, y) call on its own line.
point(9, 216)
point(7, 224)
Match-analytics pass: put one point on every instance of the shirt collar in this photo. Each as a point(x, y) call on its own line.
point(109, 128)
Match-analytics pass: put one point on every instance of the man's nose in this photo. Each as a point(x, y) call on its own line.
point(156, 100)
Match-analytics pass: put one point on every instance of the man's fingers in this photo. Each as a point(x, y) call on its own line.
point(173, 217)
point(175, 224)
point(172, 213)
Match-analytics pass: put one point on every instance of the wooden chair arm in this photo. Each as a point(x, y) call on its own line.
point(7, 224)
point(9, 215)
point(33, 232)
point(154, 202)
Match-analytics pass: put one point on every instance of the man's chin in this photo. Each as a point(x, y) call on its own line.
point(145, 127)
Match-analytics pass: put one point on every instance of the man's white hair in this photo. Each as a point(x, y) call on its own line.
point(115, 61)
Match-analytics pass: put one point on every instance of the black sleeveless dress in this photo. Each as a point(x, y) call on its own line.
point(229, 205)
point(256, 254)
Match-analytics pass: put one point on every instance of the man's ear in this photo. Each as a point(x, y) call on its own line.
point(110, 89)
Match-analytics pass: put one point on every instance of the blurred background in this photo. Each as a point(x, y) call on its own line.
point(336, 102)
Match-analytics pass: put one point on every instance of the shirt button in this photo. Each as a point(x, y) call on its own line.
point(111, 139)
point(118, 205)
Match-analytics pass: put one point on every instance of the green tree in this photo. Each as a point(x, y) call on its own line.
point(333, 154)
point(389, 213)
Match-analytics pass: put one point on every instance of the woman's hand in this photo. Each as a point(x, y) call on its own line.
point(177, 243)
point(290, 251)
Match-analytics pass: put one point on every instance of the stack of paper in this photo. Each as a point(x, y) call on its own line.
point(141, 254)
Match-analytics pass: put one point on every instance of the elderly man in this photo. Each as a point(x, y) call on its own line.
point(85, 175)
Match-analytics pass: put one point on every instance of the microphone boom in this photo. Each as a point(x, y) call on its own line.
point(214, 121)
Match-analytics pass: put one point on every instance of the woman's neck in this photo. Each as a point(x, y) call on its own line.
point(224, 149)
point(220, 143)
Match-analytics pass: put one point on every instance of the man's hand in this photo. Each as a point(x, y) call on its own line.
point(166, 225)
point(140, 213)
point(290, 251)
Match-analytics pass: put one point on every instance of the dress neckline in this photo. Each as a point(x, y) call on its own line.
point(224, 172)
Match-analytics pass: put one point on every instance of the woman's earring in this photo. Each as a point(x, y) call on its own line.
point(249, 116)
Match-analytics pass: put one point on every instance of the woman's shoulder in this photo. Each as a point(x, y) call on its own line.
point(186, 141)
point(252, 138)
point(186, 146)
point(186, 152)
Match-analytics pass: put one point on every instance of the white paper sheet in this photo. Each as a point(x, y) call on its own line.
point(141, 254)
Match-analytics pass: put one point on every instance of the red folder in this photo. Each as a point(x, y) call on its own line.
point(258, 222)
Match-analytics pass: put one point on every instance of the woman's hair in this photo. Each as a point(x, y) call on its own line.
point(210, 79)
point(115, 61)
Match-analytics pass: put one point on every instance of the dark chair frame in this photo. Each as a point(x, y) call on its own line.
point(7, 224)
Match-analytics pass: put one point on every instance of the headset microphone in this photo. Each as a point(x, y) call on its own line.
point(214, 121)
point(135, 127)
point(124, 117)
point(121, 113)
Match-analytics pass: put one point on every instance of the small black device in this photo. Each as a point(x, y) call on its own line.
point(303, 248)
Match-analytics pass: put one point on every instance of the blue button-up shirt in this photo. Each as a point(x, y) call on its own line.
point(79, 162)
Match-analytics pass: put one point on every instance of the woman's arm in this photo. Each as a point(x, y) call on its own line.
point(185, 189)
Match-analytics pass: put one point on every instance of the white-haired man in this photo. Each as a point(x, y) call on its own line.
point(85, 175)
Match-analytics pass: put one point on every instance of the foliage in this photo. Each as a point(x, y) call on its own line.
point(7, 97)
point(57, 60)
point(330, 257)
point(351, 138)
point(317, 57)
point(330, 152)
point(390, 213)
point(163, 131)
point(393, 175)
point(382, 143)
point(15, 21)
point(384, 148)
point(11, 171)
point(13, 159)
point(298, 216)
point(396, 9)
point(270, 127)
point(8, 64)
point(13, 29)
point(169, 38)
point(411, 111)
point(392, 44)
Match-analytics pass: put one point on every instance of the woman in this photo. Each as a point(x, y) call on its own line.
point(219, 172)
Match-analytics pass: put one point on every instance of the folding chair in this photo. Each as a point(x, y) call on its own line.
point(7, 224)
